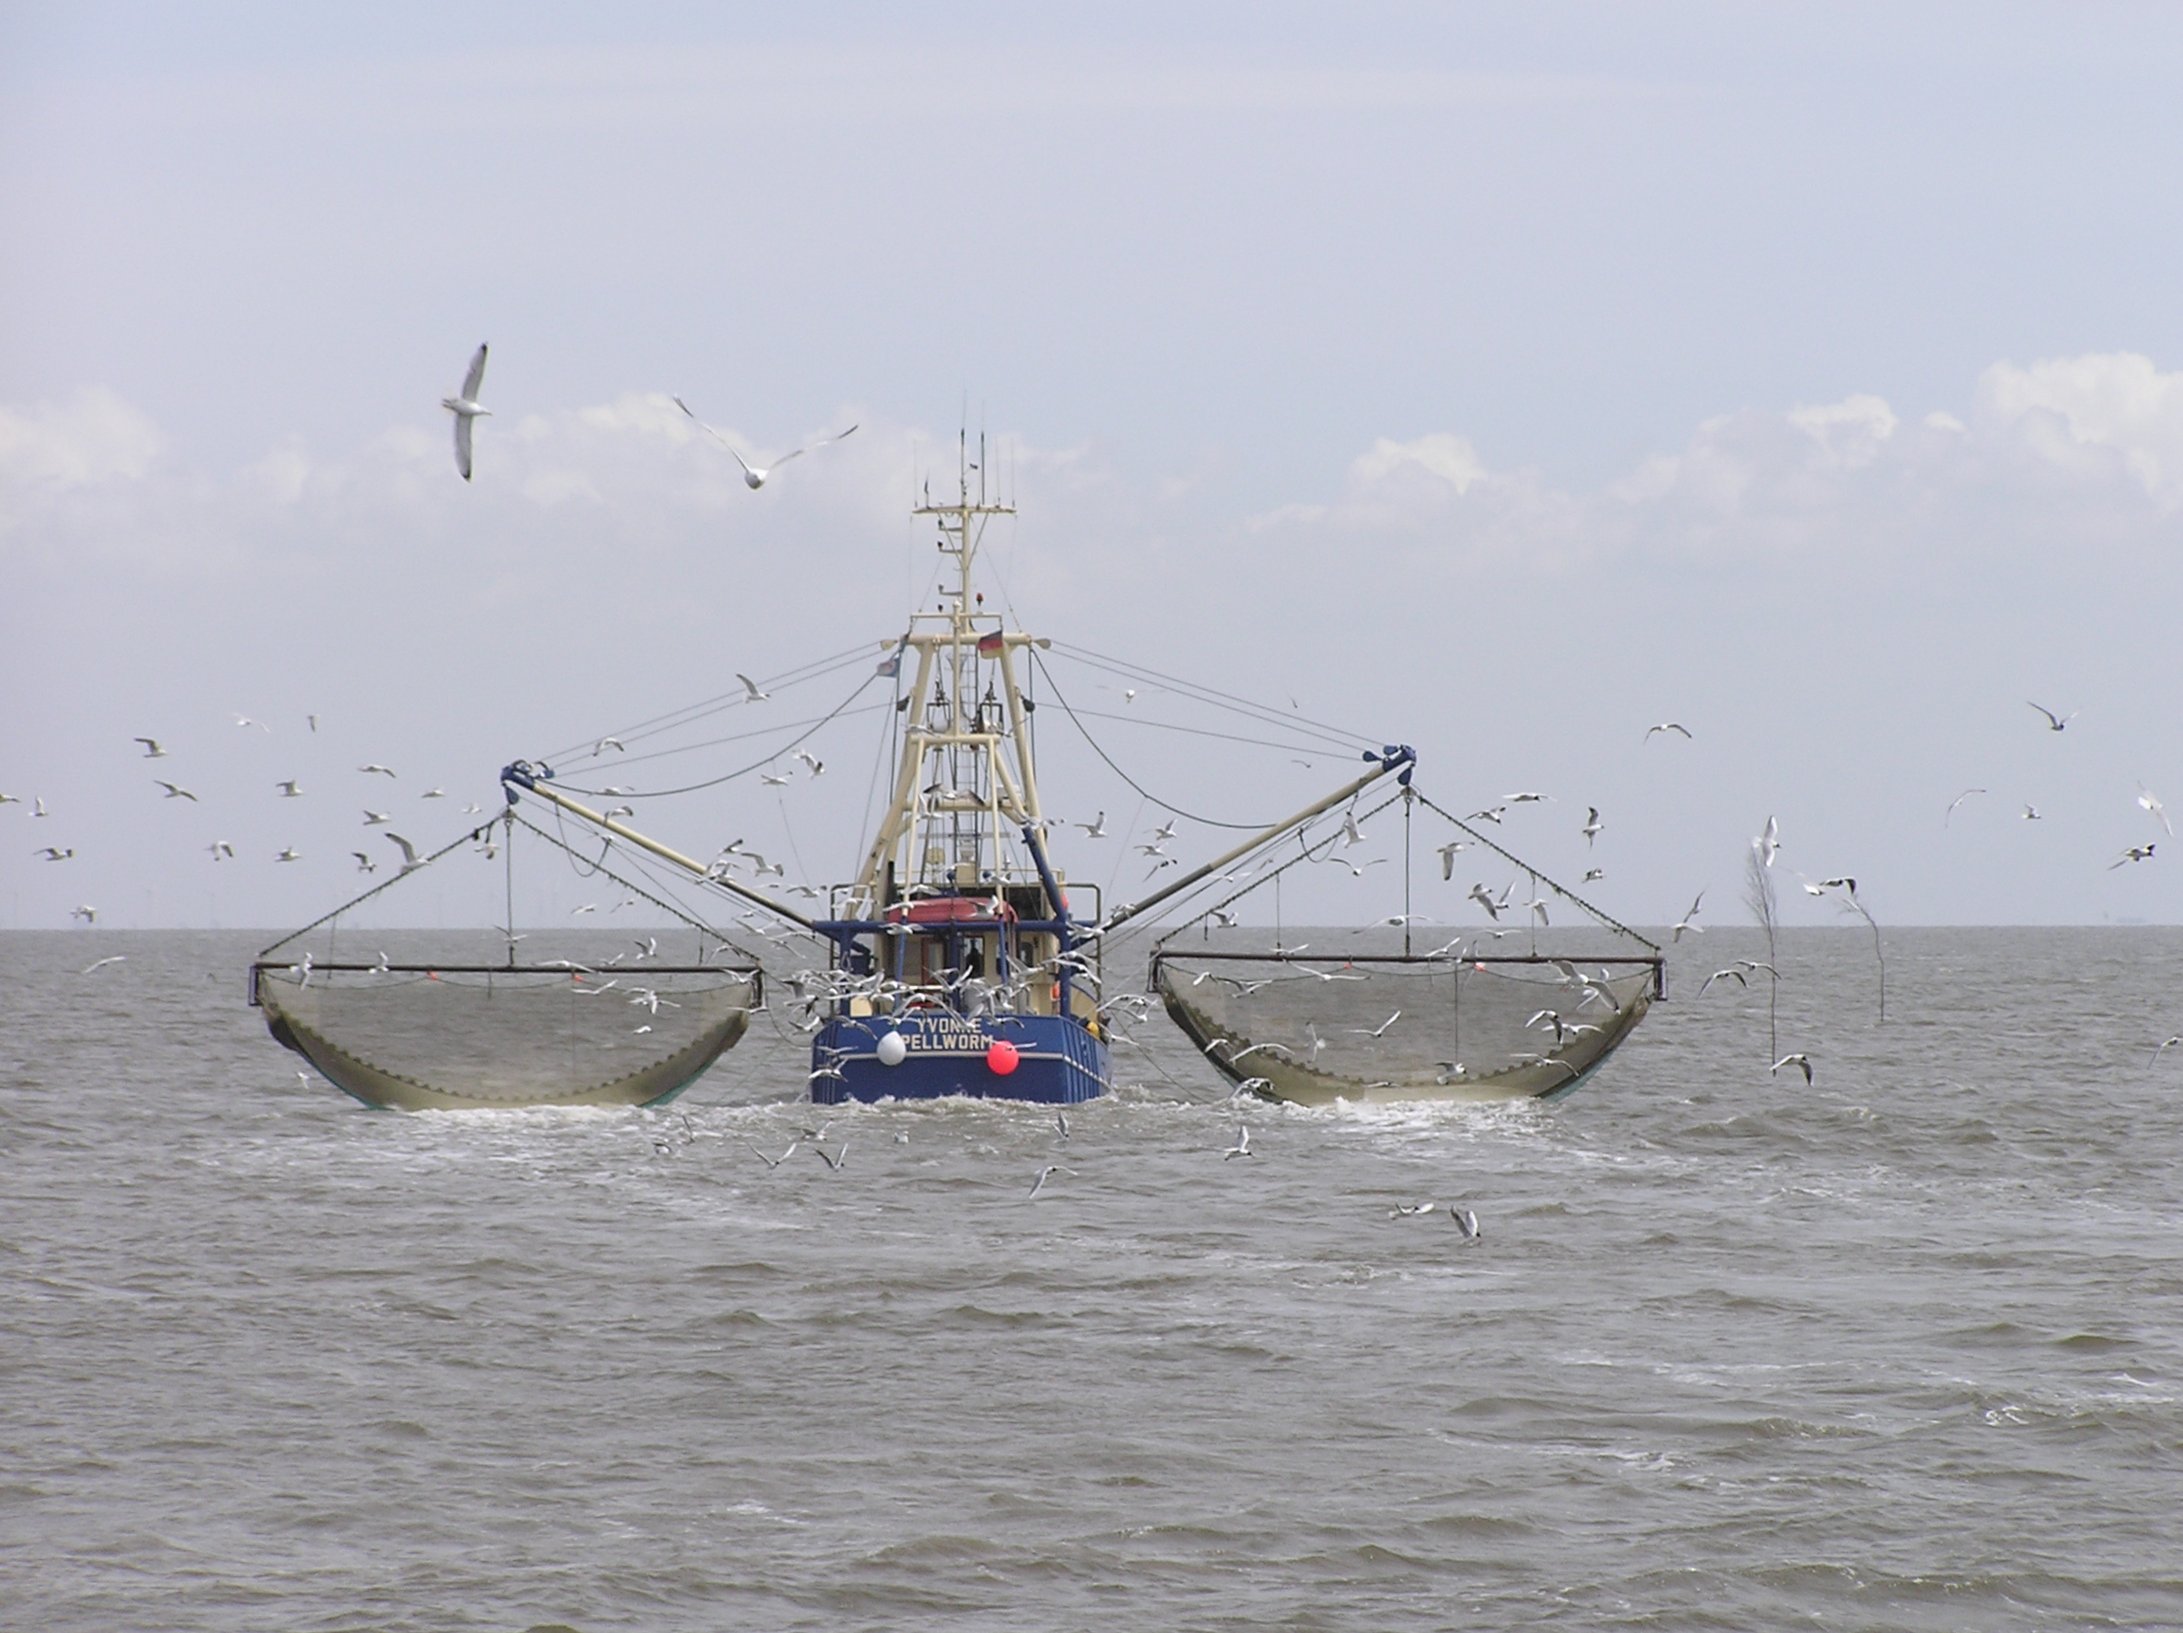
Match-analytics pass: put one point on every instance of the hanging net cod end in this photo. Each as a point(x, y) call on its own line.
point(423, 1038)
point(455, 1020)
point(1402, 1028)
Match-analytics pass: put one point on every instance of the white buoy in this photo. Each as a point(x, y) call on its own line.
point(892, 1051)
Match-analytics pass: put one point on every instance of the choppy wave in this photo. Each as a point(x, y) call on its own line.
point(1895, 1350)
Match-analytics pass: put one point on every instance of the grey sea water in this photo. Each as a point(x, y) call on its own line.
point(1902, 1349)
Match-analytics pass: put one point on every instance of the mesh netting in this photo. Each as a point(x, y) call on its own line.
point(425, 1039)
point(1394, 1028)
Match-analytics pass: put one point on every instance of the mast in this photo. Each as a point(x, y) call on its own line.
point(967, 784)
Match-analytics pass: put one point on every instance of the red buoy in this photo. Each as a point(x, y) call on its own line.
point(1001, 1056)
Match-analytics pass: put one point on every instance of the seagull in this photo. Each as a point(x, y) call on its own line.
point(1485, 898)
point(1801, 1062)
point(100, 964)
point(2164, 1045)
point(221, 850)
point(1351, 833)
point(1465, 1221)
point(1684, 923)
point(1592, 824)
point(1242, 1147)
point(2151, 802)
point(1447, 856)
point(375, 768)
point(152, 750)
point(1734, 975)
point(773, 780)
point(1046, 1173)
point(1958, 800)
point(1096, 829)
point(833, 1160)
point(1768, 843)
point(364, 864)
point(375, 819)
point(1410, 1210)
point(2031, 814)
point(1525, 799)
point(409, 851)
point(2136, 853)
point(1667, 725)
point(750, 686)
point(606, 743)
point(175, 790)
point(289, 854)
point(54, 854)
point(754, 476)
point(2055, 722)
point(774, 1162)
point(433, 793)
point(245, 720)
point(466, 408)
point(290, 789)
point(87, 913)
point(37, 806)
point(1379, 1031)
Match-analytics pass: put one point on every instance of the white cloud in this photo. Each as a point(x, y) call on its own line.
point(90, 439)
point(2079, 412)
point(1827, 482)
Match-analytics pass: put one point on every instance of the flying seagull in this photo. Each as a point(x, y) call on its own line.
point(1667, 725)
point(2055, 722)
point(754, 476)
point(751, 687)
point(2151, 802)
point(152, 750)
point(1685, 922)
point(2136, 853)
point(1801, 1062)
point(1958, 800)
point(466, 408)
point(175, 790)
point(1046, 1173)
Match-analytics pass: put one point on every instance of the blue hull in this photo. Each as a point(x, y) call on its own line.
point(1058, 1062)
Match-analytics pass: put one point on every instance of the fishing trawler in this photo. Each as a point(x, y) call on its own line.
point(958, 962)
point(961, 959)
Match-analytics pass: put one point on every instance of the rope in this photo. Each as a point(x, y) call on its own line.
point(1273, 878)
point(744, 771)
point(474, 835)
point(814, 670)
point(1537, 877)
point(1337, 735)
point(1150, 797)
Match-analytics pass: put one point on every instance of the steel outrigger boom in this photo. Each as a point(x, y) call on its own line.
point(531, 779)
point(1396, 757)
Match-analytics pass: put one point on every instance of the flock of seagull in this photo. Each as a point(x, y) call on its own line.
point(672, 1142)
point(223, 850)
point(468, 410)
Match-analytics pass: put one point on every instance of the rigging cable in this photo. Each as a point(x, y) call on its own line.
point(1176, 810)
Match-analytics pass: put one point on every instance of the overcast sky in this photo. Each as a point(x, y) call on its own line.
point(1501, 380)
